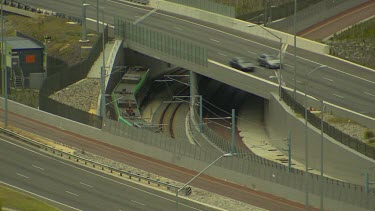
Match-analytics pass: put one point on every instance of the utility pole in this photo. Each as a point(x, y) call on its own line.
point(3, 63)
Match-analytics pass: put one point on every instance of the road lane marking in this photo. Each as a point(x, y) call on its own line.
point(214, 40)
point(226, 33)
point(85, 184)
point(38, 167)
point(252, 52)
point(93, 20)
point(370, 94)
point(15, 187)
point(101, 176)
point(137, 202)
point(222, 54)
point(22, 175)
point(74, 194)
point(327, 79)
point(178, 28)
point(338, 96)
point(288, 65)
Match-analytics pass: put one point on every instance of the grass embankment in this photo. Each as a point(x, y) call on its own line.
point(356, 44)
point(18, 201)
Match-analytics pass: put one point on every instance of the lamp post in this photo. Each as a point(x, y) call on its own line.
point(295, 48)
point(46, 40)
point(4, 66)
point(306, 142)
point(280, 55)
point(97, 16)
point(186, 184)
point(84, 29)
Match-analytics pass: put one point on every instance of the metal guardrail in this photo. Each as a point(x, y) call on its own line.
point(187, 190)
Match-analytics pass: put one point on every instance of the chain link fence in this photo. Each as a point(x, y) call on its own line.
point(164, 43)
point(333, 132)
point(251, 165)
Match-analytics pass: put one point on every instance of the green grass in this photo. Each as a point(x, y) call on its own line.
point(360, 31)
point(19, 201)
point(27, 97)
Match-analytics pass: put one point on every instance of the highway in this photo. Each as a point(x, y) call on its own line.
point(341, 83)
point(73, 187)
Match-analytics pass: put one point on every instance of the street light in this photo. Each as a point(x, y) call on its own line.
point(186, 184)
point(280, 50)
point(84, 30)
point(4, 66)
point(46, 40)
point(97, 14)
point(306, 143)
point(295, 48)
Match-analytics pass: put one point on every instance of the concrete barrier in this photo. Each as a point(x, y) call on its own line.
point(21, 12)
point(241, 26)
point(215, 70)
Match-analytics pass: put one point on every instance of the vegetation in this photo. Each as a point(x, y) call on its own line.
point(368, 134)
point(64, 48)
point(16, 200)
point(356, 44)
point(64, 44)
point(359, 31)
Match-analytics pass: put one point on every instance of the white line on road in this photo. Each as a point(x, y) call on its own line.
point(74, 194)
point(22, 175)
point(252, 52)
point(93, 20)
point(38, 195)
point(222, 54)
point(214, 40)
point(288, 65)
point(370, 94)
point(327, 79)
point(338, 96)
point(178, 28)
point(85, 184)
point(38, 167)
point(137, 202)
point(300, 82)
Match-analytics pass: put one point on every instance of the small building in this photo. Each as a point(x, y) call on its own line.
point(25, 62)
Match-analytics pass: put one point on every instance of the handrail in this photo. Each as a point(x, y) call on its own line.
point(103, 166)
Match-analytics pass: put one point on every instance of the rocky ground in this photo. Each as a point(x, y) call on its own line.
point(360, 51)
point(82, 95)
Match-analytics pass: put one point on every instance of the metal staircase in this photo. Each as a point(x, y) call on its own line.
point(19, 79)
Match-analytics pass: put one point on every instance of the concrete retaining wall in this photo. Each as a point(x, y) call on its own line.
point(337, 157)
point(242, 26)
point(20, 11)
point(180, 160)
point(217, 71)
point(335, 110)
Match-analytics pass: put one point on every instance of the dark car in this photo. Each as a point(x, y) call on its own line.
point(269, 61)
point(242, 64)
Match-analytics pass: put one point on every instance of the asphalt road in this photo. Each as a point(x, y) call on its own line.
point(340, 83)
point(73, 187)
point(163, 169)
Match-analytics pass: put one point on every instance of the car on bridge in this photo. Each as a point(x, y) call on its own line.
point(243, 64)
point(269, 61)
